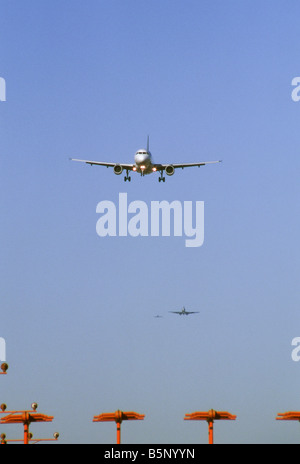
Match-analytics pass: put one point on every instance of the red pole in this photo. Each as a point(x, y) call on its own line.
point(210, 432)
point(118, 433)
point(26, 433)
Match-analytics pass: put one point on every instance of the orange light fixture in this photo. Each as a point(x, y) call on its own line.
point(210, 417)
point(25, 418)
point(4, 368)
point(118, 417)
point(291, 415)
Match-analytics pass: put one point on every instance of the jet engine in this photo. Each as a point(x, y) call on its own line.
point(170, 170)
point(118, 169)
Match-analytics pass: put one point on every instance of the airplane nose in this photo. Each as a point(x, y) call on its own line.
point(141, 158)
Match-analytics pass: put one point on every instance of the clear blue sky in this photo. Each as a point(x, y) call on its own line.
point(207, 80)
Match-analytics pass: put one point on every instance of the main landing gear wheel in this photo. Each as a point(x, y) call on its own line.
point(161, 178)
point(127, 177)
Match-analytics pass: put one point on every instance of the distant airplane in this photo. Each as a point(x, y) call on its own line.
point(144, 165)
point(158, 316)
point(183, 312)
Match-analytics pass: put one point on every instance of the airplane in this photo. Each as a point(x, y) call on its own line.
point(144, 165)
point(183, 312)
point(158, 317)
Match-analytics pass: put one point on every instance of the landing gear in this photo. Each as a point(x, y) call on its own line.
point(161, 178)
point(127, 177)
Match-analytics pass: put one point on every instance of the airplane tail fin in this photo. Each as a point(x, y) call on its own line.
point(148, 144)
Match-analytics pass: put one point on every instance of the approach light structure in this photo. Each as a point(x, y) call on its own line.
point(118, 417)
point(210, 417)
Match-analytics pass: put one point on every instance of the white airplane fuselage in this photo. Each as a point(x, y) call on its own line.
point(143, 162)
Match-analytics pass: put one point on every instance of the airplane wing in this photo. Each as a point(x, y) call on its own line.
point(160, 167)
point(108, 165)
point(186, 313)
